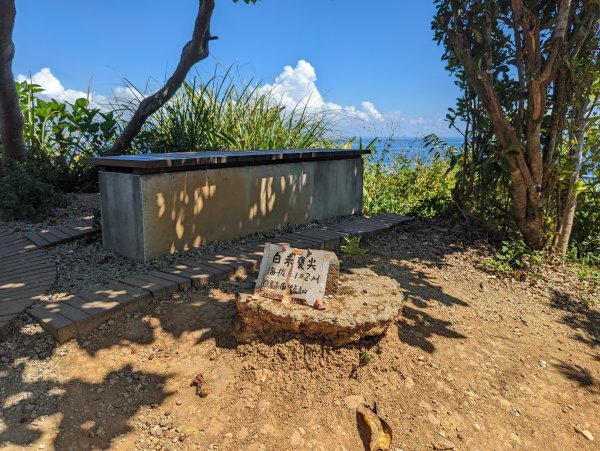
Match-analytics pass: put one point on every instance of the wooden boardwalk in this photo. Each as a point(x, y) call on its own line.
point(26, 273)
point(61, 234)
point(86, 310)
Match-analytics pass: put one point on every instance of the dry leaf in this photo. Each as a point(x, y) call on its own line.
point(381, 432)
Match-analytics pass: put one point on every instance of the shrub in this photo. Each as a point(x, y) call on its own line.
point(397, 182)
point(27, 191)
point(64, 135)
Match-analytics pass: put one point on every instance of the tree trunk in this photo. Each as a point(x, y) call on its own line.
point(11, 117)
point(568, 216)
point(194, 51)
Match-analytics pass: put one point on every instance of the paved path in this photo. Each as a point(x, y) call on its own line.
point(86, 310)
point(26, 273)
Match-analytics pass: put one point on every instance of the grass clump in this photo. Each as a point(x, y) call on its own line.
point(352, 247)
point(224, 114)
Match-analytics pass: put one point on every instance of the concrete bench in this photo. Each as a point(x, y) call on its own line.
point(157, 204)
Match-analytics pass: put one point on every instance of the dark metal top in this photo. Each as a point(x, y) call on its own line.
point(183, 161)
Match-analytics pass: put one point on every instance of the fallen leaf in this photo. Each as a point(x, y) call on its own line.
point(381, 432)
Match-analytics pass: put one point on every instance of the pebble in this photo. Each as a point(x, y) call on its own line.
point(542, 364)
point(587, 434)
point(353, 401)
point(443, 444)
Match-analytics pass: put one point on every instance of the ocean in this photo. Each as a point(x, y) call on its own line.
point(405, 145)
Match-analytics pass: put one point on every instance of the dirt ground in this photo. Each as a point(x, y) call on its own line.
point(476, 362)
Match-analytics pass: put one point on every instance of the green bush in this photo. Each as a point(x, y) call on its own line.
point(28, 191)
point(514, 256)
point(63, 135)
point(404, 184)
point(585, 238)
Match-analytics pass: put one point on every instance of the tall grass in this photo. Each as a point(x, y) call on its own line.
point(225, 114)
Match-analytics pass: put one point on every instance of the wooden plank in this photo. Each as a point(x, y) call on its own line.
point(37, 239)
point(182, 282)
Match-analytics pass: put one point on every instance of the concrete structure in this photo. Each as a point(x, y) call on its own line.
point(157, 204)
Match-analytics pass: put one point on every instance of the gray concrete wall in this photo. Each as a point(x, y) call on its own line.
point(122, 226)
point(181, 210)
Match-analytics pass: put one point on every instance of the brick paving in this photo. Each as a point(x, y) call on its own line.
point(86, 310)
point(26, 273)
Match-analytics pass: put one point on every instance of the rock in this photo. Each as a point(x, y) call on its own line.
point(346, 320)
point(443, 444)
point(409, 382)
point(296, 439)
point(353, 401)
point(262, 375)
point(542, 364)
point(187, 429)
point(267, 429)
point(433, 419)
point(587, 434)
point(242, 434)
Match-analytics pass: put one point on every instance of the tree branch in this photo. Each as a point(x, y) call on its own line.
point(194, 51)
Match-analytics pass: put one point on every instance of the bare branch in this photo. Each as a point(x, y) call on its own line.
point(194, 51)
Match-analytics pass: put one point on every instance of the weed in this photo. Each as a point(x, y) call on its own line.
point(514, 257)
point(365, 357)
point(352, 247)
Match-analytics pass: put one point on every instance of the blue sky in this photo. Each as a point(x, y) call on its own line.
point(373, 62)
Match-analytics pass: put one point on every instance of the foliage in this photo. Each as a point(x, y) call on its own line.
point(28, 191)
point(523, 84)
point(352, 247)
point(221, 114)
point(397, 182)
point(514, 256)
point(585, 239)
point(365, 357)
point(64, 134)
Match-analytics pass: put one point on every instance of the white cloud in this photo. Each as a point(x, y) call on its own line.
point(53, 88)
point(296, 87)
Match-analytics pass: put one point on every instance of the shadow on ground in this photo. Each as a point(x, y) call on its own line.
point(93, 412)
point(417, 326)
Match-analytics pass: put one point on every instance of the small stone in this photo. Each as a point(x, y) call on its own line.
point(365, 290)
point(187, 429)
point(178, 403)
point(542, 364)
point(443, 444)
point(353, 401)
point(42, 446)
point(587, 434)
point(267, 429)
point(295, 439)
point(433, 419)
point(409, 382)
point(477, 427)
